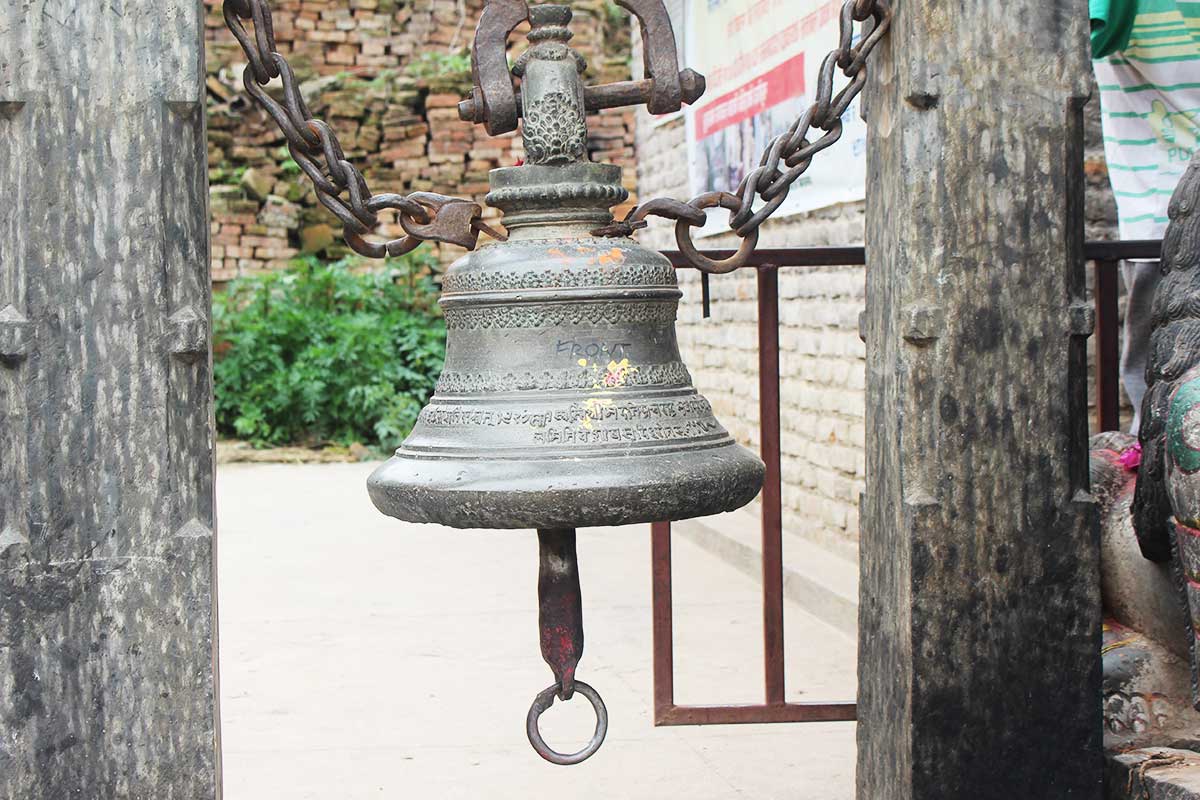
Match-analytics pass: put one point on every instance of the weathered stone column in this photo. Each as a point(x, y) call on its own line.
point(980, 609)
point(107, 614)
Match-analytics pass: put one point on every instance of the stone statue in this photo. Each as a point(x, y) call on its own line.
point(1149, 493)
point(1166, 501)
point(1166, 489)
point(1145, 646)
point(1148, 489)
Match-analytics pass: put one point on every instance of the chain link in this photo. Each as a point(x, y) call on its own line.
point(786, 158)
point(340, 187)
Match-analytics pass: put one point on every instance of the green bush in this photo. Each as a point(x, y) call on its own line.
point(327, 353)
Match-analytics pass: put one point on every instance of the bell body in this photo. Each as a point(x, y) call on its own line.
point(564, 402)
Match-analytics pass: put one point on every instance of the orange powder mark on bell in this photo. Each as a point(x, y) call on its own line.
point(614, 256)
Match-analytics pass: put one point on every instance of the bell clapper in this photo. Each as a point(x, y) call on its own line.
point(560, 606)
point(560, 621)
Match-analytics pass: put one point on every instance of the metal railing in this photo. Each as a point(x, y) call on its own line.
point(1105, 257)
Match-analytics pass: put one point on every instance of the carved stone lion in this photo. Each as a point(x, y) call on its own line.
point(1166, 504)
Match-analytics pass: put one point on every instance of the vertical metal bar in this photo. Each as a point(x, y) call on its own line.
point(560, 606)
point(664, 635)
point(1108, 357)
point(705, 295)
point(772, 501)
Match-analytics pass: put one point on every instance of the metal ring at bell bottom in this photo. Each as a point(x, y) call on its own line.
point(542, 703)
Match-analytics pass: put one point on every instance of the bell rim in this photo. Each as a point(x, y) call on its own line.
point(572, 492)
point(526, 454)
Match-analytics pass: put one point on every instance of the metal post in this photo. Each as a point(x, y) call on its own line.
point(980, 611)
point(772, 512)
point(108, 684)
point(1108, 355)
point(663, 621)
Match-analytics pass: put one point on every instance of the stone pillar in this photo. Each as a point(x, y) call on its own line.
point(980, 609)
point(107, 597)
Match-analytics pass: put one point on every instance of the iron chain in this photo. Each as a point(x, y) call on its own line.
point(340, 187)
point(786, 158)
point(426, 216)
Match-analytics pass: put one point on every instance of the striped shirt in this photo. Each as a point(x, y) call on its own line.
point(1148, 68)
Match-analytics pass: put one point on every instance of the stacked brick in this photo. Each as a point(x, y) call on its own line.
point(387, 75)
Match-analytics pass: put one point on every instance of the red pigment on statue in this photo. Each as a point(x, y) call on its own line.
point(1180, 526)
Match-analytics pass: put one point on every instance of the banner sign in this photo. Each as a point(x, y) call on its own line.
point(761, 59)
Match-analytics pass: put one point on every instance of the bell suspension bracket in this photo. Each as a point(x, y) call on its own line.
point(495, 101)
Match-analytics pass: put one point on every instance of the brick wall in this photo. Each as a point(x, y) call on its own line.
point(384, 74)
point(822, 360)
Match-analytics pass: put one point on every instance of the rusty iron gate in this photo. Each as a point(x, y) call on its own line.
point(1105, 258)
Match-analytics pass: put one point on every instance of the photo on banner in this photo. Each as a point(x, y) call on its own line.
point(761, 59)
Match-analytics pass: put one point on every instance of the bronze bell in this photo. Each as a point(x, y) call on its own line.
point(564, 402)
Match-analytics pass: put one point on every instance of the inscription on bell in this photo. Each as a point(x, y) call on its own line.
point(592, 349)
point(588, 413)
point(692, 429)
point(582, 376)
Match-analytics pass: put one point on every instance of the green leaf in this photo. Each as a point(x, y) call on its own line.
point(327, 352)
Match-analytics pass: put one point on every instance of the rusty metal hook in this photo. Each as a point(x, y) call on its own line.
point(660, 55)
point(493, 97)
point(543, 702)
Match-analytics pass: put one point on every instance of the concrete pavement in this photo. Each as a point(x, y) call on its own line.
point(362, 657)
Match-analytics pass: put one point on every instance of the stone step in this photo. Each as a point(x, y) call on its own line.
point(1152, 773)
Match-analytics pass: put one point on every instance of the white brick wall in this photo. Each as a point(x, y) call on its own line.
point(821, 357)
point(822, 360)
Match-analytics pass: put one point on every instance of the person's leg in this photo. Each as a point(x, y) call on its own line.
point(1141, 280)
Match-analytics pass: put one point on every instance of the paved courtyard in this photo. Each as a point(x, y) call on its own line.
point(362, 657)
